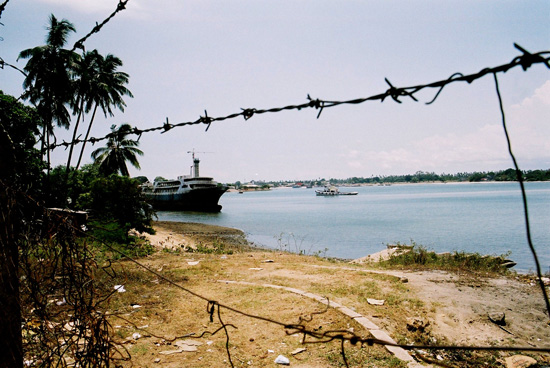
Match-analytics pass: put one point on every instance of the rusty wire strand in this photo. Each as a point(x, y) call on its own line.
point(519, 176)
point(525, 61)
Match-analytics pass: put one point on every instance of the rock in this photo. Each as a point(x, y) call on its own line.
point(404, 280)
point(120, 288)
point(156, 360)
point(281, 359)
point(520, 361)
point(497, 318)
point(136, 336)
point(170, 352)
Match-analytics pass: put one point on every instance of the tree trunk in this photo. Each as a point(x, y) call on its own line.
point(11, 351)
point(85, 138)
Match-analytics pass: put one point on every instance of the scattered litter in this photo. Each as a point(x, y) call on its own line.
point(268, 261)
point(136, 336)
point(255, 268)
point(375, 301)
point(270, 351)
point(298, 351)
point(209, 342)
point(156, 360)
point(61, 302)
point(120, 288)
point(135, 306)
point(281, 359)
point(223, 257)
point(193, 263)
point(142, 327)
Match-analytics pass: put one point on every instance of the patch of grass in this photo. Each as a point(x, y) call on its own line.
point(420, 258)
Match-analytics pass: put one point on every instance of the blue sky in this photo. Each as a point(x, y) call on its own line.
point(185, 57)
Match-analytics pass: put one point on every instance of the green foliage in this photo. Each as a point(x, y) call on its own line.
point(141, 179)
point(119, 199)
point(112, 158)
point(116, 236)
point(18, 130)
point(217, 247)
point(417, 256)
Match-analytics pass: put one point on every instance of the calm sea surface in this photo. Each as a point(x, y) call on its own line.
point(475, 217)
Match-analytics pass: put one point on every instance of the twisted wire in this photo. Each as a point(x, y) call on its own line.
point(525, 61)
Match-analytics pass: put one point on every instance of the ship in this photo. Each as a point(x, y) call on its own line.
point(330, 191)
point(187, 193)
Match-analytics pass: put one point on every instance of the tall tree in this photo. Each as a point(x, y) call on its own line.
point(20, 171)
point(86, 71)
point(112, 158)
point(49, 74)
point(106, 91)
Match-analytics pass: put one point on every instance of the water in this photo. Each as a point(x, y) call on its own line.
point(475, 217)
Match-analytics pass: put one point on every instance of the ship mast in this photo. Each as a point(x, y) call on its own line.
point(195, 167)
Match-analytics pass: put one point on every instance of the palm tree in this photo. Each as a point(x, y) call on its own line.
point(119, 149)
point(49, 74)
point(105, 91)
point(86, 71)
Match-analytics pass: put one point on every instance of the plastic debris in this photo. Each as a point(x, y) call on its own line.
point(120, 288)
point(375, 302)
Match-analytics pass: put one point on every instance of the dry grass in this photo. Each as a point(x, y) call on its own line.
point(169, 312)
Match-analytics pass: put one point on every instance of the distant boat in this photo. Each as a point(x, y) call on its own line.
point(187, 193)
point(329, 191)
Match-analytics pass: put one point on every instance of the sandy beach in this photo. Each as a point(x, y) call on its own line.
point(449, 308)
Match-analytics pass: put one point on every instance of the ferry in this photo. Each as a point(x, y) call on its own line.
point(329, 191)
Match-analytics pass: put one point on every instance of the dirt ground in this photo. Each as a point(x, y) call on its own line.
point(449, 308)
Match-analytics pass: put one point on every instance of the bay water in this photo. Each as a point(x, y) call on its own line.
point(485, 218)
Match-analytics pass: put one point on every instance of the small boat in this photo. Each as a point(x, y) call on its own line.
point(329, 191)
point(186, 193)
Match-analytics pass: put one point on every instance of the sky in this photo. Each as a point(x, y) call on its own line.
point(188, 57)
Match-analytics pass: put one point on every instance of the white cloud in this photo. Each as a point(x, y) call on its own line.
point(484, 149)
point(540, 97)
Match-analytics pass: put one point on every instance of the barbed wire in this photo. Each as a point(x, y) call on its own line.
point(3, 7)
point(525, 61)
point(80, 43)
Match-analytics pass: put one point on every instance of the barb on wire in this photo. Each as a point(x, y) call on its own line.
point(525, 61)
point(80, 43)
point(3, 7)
